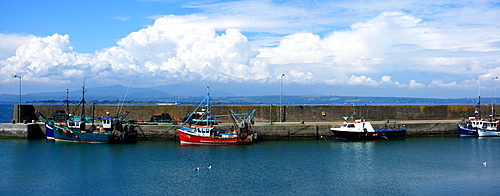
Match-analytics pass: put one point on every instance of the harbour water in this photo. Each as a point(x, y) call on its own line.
point(414, 166)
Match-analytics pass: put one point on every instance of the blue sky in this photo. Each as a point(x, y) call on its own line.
point(440, 48)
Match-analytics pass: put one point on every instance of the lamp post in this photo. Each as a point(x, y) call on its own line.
point(493, 97)
point(19, 106)
point(281, 96)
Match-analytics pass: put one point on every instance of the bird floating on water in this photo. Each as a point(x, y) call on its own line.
point(196, 169)
point(484, 163)
point(209, 167)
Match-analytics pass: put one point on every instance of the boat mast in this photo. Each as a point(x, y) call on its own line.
point(478, 107)
point(208, 106)
point(493, 97)
point(477, 112)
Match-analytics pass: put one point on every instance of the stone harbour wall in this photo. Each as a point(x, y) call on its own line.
point(271, 113)
point(297, 122)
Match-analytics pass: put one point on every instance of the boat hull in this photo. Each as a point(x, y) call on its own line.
point(64, 135)
point(49, 131)
point(190, 139)
point(382, 134)
point(465, 131)
point(488, 133)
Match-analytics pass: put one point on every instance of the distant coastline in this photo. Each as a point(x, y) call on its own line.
point(256, 100)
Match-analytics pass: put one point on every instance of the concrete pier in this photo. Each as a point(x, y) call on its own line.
point(266, 131)
point(22, 130)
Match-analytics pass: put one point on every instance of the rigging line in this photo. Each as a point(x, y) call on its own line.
point(123, 101)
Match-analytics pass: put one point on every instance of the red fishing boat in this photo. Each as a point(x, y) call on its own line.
point(199, 127)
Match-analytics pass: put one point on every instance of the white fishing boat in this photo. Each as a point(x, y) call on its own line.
point(490, 129)
point(363, 130)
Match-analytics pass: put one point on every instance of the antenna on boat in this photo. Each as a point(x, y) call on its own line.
point(477, 110)
point(83, 98)
point(67, 104)
point(208, 106)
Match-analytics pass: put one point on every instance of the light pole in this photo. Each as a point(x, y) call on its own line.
point(281, 96)
point(493, 97)
point(19, 106)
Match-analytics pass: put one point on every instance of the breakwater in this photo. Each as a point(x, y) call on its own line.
point(270, 113)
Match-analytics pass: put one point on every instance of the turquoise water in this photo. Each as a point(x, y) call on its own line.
point(414, 166)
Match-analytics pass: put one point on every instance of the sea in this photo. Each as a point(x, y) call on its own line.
point(411, 166)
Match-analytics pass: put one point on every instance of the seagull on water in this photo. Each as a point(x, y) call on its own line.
point(209, 167)
point(484, 163)
point(196, 169)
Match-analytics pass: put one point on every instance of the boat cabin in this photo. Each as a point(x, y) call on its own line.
point(75, 124)
point(107, 123)
point(493, 125)
point(357, 126)
point(209, 131)
point(203, 131)
point(473, 122)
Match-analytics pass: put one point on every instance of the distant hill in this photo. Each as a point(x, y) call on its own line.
point(188, 94)
point(190, 90)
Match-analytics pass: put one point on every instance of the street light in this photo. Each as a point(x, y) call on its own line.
point(19, 106)
point(281, 96)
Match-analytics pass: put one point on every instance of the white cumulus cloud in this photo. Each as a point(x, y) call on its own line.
point(10, 43)
point(229, 45)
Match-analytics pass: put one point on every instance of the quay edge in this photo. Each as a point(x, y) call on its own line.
point(22, 130)
point(266, 131)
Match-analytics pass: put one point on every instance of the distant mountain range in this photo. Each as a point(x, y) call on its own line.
point(187, 94)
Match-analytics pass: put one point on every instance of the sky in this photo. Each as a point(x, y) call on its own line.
point(391, 48)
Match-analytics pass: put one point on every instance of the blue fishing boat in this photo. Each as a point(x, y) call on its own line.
point(469, 126)
point(85, 129)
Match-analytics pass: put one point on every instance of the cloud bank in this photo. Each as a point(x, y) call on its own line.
point(393, 49)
